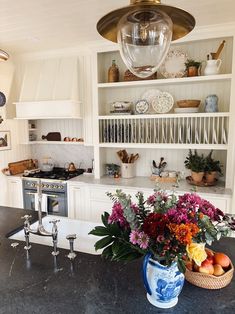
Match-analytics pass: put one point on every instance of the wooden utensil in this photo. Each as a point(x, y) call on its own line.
point(215, 55)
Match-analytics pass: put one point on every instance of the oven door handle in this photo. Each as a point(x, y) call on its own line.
point(30, 193)
point(52, 195)
point(49, 195)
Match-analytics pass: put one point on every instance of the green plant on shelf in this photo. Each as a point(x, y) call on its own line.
point(195, 162)
point(192, 63)
point(211, 164)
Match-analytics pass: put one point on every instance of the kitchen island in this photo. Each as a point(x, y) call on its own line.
point(40, 283)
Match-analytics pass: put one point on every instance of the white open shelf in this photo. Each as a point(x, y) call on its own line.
point(182, 80)
point(54, 143)
point(165, 146)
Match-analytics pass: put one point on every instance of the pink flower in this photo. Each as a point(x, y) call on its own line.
point(140, 238)
point(134, 236)
point(143, 240)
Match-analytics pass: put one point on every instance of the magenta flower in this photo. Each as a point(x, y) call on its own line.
point(117, 215)
point(151, 199)
point(135, 208)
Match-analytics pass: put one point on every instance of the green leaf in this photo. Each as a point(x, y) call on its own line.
point(116, 246)
point(103, 242)
point(107, 252)
point(100, 231)
point(114, 229)
point(181, 265)
point(105, 218)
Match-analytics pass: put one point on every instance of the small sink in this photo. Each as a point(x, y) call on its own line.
point(84, 242)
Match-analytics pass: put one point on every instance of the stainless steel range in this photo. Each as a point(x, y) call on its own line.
point(54, 190)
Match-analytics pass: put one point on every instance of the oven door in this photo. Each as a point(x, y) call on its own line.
point(56, 204)
point(29, 199)
point(52, 203)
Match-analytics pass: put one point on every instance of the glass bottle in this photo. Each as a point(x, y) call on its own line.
point(113, 73)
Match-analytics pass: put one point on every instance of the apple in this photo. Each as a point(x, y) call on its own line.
point(206, 267)
point(209, 252)
point(189, 265)
point(218, 270)
point(221, 259)
point(195, 267)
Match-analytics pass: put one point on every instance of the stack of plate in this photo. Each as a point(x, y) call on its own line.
point(187, 106)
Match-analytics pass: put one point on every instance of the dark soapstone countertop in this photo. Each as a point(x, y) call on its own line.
point(39, 283)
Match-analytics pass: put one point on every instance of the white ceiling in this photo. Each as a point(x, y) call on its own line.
point(34, 25)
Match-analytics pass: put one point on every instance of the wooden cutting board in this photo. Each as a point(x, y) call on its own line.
point(20, 166)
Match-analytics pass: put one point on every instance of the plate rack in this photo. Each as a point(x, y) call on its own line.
point(188, 129)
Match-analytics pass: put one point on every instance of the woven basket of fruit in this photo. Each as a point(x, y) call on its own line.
point(215, 272)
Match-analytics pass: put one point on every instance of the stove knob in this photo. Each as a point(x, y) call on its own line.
point(61, 187)
point(33, 185)
point(52, 186)
point(43, 185)
point(47, 186)
point(56, 186)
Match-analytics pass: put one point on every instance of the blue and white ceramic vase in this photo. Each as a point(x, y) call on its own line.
point(163, 283)
point(211, 103)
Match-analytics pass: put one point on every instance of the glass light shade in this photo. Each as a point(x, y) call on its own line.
point(144, 37)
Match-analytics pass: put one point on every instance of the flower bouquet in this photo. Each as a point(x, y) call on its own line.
point(167, 230)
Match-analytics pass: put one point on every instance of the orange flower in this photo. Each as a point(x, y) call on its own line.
point(184, 232)
point(201, 215)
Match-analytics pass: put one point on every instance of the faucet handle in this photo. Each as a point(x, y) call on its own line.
point(54, 221)
point(71, 236)
point(26, 217)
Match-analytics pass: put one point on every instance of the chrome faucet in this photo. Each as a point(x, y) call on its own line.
point(40, 228)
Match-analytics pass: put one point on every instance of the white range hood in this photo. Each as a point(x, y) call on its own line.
point(50, 89)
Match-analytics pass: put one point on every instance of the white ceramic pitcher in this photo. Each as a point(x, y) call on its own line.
point(212, 67)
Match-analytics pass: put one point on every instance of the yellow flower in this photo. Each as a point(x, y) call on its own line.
point(196, 252)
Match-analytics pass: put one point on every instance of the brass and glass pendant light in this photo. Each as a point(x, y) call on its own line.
point(144, 31)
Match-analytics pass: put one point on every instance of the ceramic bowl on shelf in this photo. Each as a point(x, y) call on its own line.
point(188, 103)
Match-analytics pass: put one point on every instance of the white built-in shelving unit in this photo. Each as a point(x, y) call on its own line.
point(171, 132)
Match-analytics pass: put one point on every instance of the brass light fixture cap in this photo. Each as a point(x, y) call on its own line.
point(183, 22)
point(4, 55)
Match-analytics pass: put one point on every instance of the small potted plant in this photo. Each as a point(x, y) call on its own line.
point(212, 168)
point(196, 163)
point(192, 67)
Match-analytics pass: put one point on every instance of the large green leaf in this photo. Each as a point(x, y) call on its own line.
point(103, 242)
point(105, 218)
point(107, 252)
point(100, 231)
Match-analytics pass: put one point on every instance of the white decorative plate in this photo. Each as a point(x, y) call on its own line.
point(141, 106)
point(186, 110)
point(163, 102)
point(150, 95)
point(174, 64)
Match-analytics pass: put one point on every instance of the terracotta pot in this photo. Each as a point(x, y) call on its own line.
point(211, 176)
point(192, 71)
point(197, 176)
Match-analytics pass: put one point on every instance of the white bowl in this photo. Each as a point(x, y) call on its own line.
point(121, 105)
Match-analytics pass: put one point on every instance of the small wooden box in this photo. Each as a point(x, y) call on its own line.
point(156, 178)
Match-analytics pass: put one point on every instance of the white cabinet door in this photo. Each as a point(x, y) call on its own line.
point(78, 202)
point(14, 192)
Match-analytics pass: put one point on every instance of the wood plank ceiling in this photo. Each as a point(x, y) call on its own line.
point(33, 25)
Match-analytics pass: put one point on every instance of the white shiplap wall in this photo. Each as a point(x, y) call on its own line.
point(17, 151)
